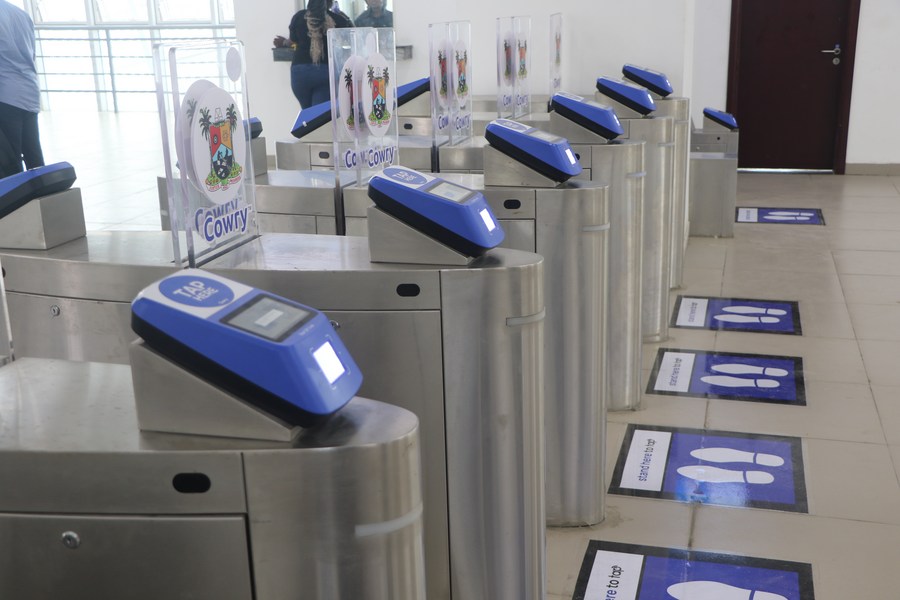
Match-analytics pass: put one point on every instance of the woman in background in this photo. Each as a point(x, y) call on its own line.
point(309, 67)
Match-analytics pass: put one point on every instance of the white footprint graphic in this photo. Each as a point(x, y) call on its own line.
point(707, 474)
point(745, 319)
point(754, 310)
point(785, 218)
point(739, 382)
point(715, 590)
point(792, 213)
point(732, 455)
point(743, 369)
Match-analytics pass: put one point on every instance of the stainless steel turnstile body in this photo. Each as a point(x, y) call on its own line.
point(91, 507)
point(713, 184)
point(568, 225)
point(462, 348)
point(659, 164)
point(619, 164)
point(680, 110)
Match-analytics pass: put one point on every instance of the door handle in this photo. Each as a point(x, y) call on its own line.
point(836, 51)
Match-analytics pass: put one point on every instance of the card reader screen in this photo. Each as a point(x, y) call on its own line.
point(268, 318)
point(448, 191)
point(329, 362)
point(543, 135)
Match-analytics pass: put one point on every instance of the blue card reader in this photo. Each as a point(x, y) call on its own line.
point(722, 118)
point(633, 96)
point(19, 189)
point(412, 90)
point(455, 216)
point(311, 118)
point(281, 356)
point(548, 154)
point(254, 126)
point(593, 116)
point(654, 81)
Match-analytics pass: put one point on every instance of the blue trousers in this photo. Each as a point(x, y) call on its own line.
point(19, 140)
point(310, 84)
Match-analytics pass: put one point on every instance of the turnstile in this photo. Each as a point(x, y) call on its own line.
point(714, 162)
point(95, 508)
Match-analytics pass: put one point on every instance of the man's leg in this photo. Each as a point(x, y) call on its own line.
point(31, 142)
point(10, 140)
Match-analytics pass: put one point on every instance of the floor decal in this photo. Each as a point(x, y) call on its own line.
point(729, 376)
point(613, 571)
point(737, 314)
point(711, 467)
point(784, 216)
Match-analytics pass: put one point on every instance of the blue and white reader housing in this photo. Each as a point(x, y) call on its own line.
point(593, 116)
point(18, 190)
point(453, 215)
point(548, 154)
point(283, 357)
point(633, 96)
point(654, 81)
point(722, 118)
point(311, 118)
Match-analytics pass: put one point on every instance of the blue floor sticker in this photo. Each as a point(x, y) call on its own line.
point(737, 314)
point(728, 376)
point(784, 216)
point(711, 467)
point(613, 571)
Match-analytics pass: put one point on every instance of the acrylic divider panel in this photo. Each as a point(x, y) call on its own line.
point(712, 467)
point(614, 571)
point(556, 53)
point(737, 314)
point(783, 216)
point(449, 46)
point(206, 147)
point(728, 376)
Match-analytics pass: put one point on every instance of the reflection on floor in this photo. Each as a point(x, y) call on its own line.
point(845, 277)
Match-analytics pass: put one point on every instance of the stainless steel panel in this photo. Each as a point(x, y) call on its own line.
point(420, 106)
point(54, 327)
point(680, 110)
point(329, 272)
point(103, 265)
point(572, 230)
point(321, 154)
point(509, 202)
point(713, 194)
point(145, 558)
point(621, 164)
point(520, 234)
point(466, 157)
point(494, 398)
point(258, 156)
point(414, 125)
point(501, 170)
point(326, 226)
point(356, 201)
point(393, 241)
point(44, 222)
point(296, 192)
point(658, 133)
point(279, 223)
point(357, 226)
point(709, 140)
point(292, 155)
point(415, 154)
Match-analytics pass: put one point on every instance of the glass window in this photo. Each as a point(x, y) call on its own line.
point(184, 10)
point(122, 11)
point(59, 11)
point(226, 11)
point(19, 3)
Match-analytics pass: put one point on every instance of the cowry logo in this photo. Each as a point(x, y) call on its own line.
point(378, 102)
point(218, 130)
point(523, 56)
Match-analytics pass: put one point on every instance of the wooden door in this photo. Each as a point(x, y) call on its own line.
point(790, 72)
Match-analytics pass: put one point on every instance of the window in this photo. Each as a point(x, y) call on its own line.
point(122, 11)
point(179, 11)
point(59, 11)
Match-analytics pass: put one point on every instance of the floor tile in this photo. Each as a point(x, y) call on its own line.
point(744, 256)
point(867, 262)
point(876, 321)
point(825, 319)
point(864, 239)
point(850, 480)
point(887, 400)
point(834, 411)
point(768, 284)
point(834, 548)
point(824, 359)
point(870, 289)
point(706, 253)
point(880, 359)
point(701, 281)
point(676, 411)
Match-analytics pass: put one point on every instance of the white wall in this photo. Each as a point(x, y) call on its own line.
point(686, 39)
point(874, 125)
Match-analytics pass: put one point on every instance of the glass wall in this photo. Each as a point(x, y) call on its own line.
point(98, 54)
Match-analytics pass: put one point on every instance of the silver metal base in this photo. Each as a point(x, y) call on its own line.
point(171, 400)
point(713, 194)
point(45, 222)
point(680, 110)
point(392, 241)
point(501, 170)
point(101, 509)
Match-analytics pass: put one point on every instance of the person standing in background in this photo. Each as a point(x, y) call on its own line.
point(309, 67)
point(375, 15)
point(20, 96)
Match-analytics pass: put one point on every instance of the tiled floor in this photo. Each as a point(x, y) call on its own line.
point(846, 277)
